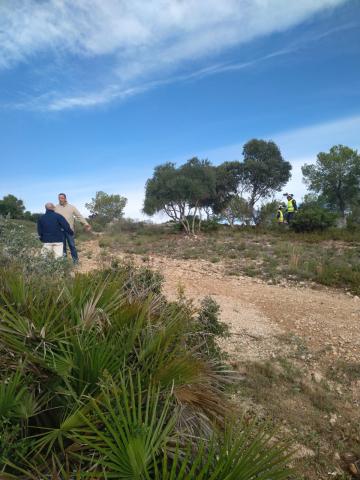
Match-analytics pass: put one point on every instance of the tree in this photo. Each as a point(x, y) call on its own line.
point(336, 176)
point(265, 171)
point(312, 217)
point(267, 213)
point(107, 208)
point(237, 209)
point(181, 192)
point(229, 176)
point(12, 207)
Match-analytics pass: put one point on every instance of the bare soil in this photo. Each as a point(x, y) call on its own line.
point(279, 332)
point(256, 312)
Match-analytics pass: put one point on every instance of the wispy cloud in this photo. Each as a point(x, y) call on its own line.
point(142, 44)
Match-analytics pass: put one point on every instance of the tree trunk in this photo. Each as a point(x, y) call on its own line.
point(194, 219)
point(200, 220)
point(186, 226)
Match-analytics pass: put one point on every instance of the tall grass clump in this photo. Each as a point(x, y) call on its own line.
point(99, 382)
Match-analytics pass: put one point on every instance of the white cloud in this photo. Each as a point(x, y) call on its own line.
point(144, 40)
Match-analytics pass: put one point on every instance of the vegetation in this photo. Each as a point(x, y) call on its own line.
point(197, 187)
point(265, 171)
point(237, 210)
point(105, 208)
point(14, 208)
point(20, 246)
point(11, 207)
point(312, 218)
point(336, 176)
point(329, 257)
point(319, 407)
point(181, 192)
point(96, 383)
point(103, 378)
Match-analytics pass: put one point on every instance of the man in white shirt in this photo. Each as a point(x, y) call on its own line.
point(70, 213)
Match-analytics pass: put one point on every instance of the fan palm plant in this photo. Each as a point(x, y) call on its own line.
point(107, 384)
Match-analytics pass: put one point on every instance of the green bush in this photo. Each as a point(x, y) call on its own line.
point(353, 220)
point(21, 249)
point(97, 382)
point(313, 218)
point(210, 327)
point(210, 225)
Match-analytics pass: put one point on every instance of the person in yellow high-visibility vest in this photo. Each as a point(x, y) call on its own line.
point(280, 215)
point(291, 208)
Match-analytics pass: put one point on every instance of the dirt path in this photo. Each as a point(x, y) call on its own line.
point(310, 330)
point(259, 314)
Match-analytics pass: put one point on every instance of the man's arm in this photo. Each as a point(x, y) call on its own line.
point(39, 228)
point(65, 224)
point(79, 217)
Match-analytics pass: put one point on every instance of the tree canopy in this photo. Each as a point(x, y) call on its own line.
point(237, 210)
point(107, 208)
point(229, 177)
point(336, 176)
point(265, 170)
point(12, 207)
point(181, 192)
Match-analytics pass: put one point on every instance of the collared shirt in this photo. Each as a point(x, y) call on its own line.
point(70, 213)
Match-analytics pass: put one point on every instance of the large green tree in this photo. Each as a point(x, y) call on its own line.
point(237, 210)
point(229, 176)
point(107, 208)
point(181, 193)
point(12, 207)
point(265, 171)
point(336, 177)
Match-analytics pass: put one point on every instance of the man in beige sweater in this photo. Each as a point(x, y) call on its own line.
point(70, 213)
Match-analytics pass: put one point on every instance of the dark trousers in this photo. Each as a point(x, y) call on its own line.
point(70, 240)
point(289, 216)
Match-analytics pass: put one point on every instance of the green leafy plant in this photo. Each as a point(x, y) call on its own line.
point(313, 218)
point(21, 248)
point(102, 379)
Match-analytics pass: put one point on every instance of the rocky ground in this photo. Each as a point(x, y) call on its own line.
point(327, 319)
point(315, 327)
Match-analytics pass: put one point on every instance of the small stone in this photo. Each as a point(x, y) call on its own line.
point(333, 418)
point(317, 377)
point(353, 470)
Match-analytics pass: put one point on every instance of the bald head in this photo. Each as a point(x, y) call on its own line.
point(49, 206)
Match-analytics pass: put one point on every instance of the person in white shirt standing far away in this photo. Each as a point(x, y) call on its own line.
point(70, 213)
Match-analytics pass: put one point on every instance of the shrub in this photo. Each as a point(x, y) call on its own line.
point(211, 225)
point(104, 386)
point(21, 249)
point(313, 218)
point(267, 214)
point(210, 327)
point(353, 220)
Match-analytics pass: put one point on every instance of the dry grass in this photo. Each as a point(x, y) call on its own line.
point(320, 410)
point(274, 256)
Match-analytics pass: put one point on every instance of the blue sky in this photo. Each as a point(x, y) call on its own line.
point(95, 93)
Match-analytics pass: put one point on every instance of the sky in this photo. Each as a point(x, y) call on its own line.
point(95, 93)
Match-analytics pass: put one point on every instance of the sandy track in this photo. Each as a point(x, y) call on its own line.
point(258, 313)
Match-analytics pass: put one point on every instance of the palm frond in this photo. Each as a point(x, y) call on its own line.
point(126, 429)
